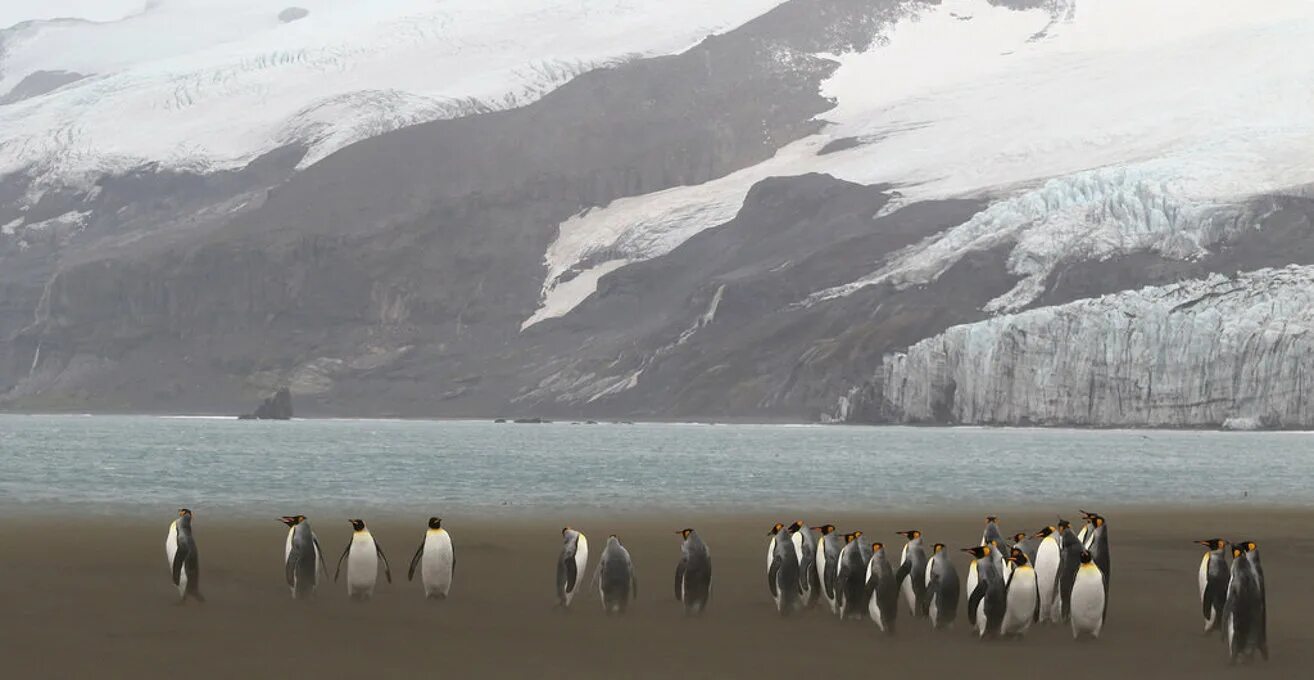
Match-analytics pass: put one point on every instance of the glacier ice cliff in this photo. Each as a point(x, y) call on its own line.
point(1199, 352)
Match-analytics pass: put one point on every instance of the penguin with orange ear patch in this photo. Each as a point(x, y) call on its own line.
point(693, 575)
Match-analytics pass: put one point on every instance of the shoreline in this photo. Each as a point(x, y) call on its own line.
point(709, 422)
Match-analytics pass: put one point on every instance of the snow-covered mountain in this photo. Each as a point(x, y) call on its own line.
point(869, 210)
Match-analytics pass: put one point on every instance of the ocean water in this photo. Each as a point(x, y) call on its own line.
point(112, 463)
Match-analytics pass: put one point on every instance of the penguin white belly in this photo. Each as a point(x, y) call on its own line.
point(1088, 602)
point(771, 552)
point(874, 610)
point(581, 564)
point(362, 566)
point(171, 544)
point(1047, 564)
point(797, 539)
point(436, 565)
point(1021, 603)
point(971, 579)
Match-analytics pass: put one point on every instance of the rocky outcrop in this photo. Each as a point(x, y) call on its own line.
point(277, 407)
point(1235, 349)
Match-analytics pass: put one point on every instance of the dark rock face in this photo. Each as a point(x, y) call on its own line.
point(38, 83)
point(277, 407)
point(291, 14)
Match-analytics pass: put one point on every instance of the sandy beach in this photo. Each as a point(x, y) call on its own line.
point(91, 597)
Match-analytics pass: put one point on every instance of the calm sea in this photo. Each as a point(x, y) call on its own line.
point(112, 463)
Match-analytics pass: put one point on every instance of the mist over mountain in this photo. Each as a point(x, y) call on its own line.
point(1085, 212)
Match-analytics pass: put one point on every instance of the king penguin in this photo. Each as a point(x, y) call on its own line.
point(1245, 614)
point(1086, 602)
point(1098, 545)
point(303, 559)
point(617, 583)
point(362, 554)
point(1213, 578)
point(911, 576)
point(436, 560)
point(771, 554)
point(882, 590)
point(941, 588)
point(782, 572)
point(571, 565)
point(850, 585)
point(827, 563)
point(805, 545)
point(991, 533)
point(184, 565)
point(693, 575)
point(1026, 544)
point(1048, 557)
point(1069, 564)
point(1023, 602)
point(987, 603)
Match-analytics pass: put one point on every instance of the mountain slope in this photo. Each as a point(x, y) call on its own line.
point(826, 212)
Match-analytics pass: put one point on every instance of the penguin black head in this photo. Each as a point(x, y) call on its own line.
point(184, 512)
point(564, 530)
point(437, 523)
point(877, 546)
point(978, 552)
point(1063, 524)
point(991, 519)
point(825, 529)
point(1097, 520)
point(937, 548)
point(1250, 546)
point(793, 528)
point(849, 538)
point(684, 533)
point(1237, 551)
point(1019, 537)
point(1213, 543)
point(291, 520)
point(911, 534)
point(1044, 532)
point(1018, 557)
point(357, 524)
point(775, 529)
point(1085, 557)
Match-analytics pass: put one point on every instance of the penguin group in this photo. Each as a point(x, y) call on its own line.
point(1053, 575)
point(1233, 598)
point(303, 560)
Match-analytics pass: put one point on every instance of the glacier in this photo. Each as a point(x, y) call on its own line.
point(1194, 353)
point(213, 84)
point(1147, 115)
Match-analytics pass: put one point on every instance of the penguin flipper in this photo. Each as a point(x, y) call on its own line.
point(337, 572)
point(319, 553)
point(904, 570)
point(387, 568)
point(679, 579)
point(179, 558)
point(973, 600)
point(572, 572)
point(290, 567)
point(771, 577)
point(415, 561)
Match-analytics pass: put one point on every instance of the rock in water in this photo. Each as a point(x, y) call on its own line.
point(277, 407)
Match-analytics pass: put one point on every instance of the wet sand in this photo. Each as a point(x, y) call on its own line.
point(92, 598)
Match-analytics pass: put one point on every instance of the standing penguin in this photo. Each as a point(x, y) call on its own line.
point(772, 536)
point(941, 588)
point(363, 563)
point(850, 584)
point(827, 563)
point(882, 590)
point(184, 565)
point(1213, 579)
point(805, 545)
point(1259, 630)
point(987, 603)
point(911, 576)
point(1098, 545)
point(1069, 564)
point(571, 565)
point(1048, 557)
point(693, 576)
point(615, 577)
point(783, 574)
point(303, 560)
point(1023, 601)
point(436, 560)
point(1086, 601)
point(1084, 535)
